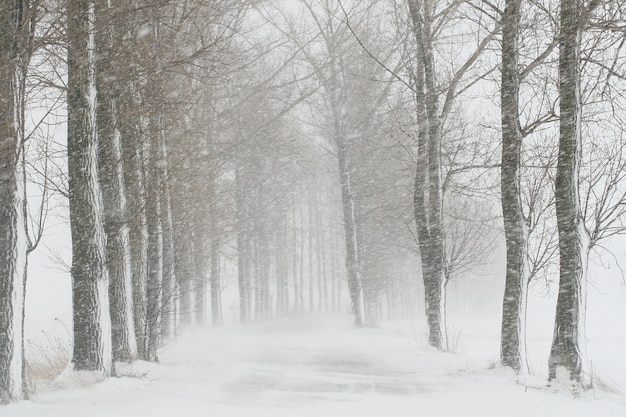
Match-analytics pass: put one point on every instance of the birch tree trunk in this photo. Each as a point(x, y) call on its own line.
point(568, 344)
point(90, 280)
point(513, 332)
point(13, 241)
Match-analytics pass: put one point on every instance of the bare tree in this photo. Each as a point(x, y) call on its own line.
point(427, 19)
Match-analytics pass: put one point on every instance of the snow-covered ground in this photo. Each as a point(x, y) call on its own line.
point(320, 368)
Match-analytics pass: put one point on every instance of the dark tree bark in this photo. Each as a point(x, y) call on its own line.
point(568, 343)
point(513, 336)
point(90, 281)
point(13, 241)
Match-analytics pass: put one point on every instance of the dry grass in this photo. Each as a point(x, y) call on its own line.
point(605, 385)
point(456, 341)
point(47, 356)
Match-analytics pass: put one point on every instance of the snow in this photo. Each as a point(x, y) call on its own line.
point(310, 367)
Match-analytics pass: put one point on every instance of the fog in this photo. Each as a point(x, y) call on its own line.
point(313, 208)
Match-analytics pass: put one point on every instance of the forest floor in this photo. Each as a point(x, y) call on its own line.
point(300, 368)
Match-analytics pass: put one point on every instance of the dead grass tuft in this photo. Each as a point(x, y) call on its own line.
point(46, 357)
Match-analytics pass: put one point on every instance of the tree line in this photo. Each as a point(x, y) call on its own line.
point(331, 151)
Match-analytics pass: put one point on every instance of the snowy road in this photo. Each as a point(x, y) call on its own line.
point(308, 368)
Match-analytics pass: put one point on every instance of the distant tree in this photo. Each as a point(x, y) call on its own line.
point(353, 91)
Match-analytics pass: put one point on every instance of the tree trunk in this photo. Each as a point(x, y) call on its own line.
point(310, 255)
point(155, 241)
point(111, 176)
point(353, 266)
point(216, 286)
point(183, 260)
point(265, 276)
point(322, 259)
point(134, 212)
point(138, 233)
point(299, 289)
point(513, 335)
point(428, 193)
point(90, 281)
point(117, 247)
point(294, 259)
point(334, 283)
point(282, 271)
point(258, 282)
point(242, 277)
point(13, 241)
point(568, 344)
point(199, 263)
point(168, 309)
point(242, 251)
